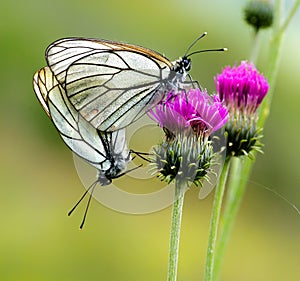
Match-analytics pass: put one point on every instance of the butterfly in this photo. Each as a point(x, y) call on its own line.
point(112, 84)
point(106, 151)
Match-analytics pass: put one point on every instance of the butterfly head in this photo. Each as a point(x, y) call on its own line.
point(105, 177)
point(183, 65)
point(118, 164)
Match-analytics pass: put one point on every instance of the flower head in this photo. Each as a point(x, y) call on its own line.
point(242, 89)
point(194, 110)
point(259, 14)
point(188, 119)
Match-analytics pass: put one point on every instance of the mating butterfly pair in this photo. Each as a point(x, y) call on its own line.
point(92, 89)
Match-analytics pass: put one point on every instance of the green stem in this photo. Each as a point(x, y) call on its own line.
point(175, 231)
point(290, 16)
point(237, 183)
point(214, 221)
point(274, 59)
point(256, 47)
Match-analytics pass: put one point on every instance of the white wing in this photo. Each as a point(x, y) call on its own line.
point(111, 84)
point(83, 139)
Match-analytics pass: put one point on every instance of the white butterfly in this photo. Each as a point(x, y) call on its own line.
point(112, 84)
point(106, 151)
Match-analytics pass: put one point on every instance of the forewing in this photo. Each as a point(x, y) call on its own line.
point(109, 83)
point(77, 133)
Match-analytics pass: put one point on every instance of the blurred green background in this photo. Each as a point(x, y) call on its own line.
point(39, 183)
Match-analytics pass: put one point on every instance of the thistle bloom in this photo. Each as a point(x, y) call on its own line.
point(242, 89)
point(188, 119)
point(194, 110)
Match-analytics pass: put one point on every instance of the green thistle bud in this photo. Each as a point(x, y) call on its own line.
point(185, 158)
point(242, 135)
point(259, 14)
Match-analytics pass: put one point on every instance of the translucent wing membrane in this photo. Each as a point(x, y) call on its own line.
point(110, 84)
point(105, 151)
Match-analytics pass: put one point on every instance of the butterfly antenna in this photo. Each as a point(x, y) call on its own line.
point(208, 50)
point(194, 42)
point(88, 204)
point(84, 194)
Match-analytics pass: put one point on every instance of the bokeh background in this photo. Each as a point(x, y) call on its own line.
point(39, 183)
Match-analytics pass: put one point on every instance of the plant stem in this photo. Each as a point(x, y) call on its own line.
point(175, 231)
point(214, 221)
point(240, 172)
point(290, 16)
point(256, 46)
point(237, 184)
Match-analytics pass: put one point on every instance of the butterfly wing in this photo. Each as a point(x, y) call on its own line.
point(109, 83)
point(43, 82)
point(77, 133)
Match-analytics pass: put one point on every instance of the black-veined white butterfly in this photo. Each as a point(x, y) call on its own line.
point(112, 84)
point(106, 151)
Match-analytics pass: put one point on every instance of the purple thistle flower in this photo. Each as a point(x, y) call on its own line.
point(188, 119)
point(241, 87)
point(193, 109)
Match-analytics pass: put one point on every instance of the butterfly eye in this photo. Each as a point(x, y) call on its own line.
point(186, 63)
